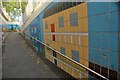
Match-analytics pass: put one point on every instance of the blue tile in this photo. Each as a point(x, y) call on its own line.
point(113, 41)
point(104, 58)
point(92, 55)
point(119, 21)
point(114, 21)
point(74, 19)
point(90, 7)
point(97, 8)
point(94, 40)
point(91, 24)
point(94, 23)
point(97, 23)
point(97, 42)
point(114, 61)
point(62, 50)
point(74, 22)
point(105, 22)
point(91, 40)
point(114, 6)
point(104, 39)
point(75, 55)
point(102, 6)
point(105, 7)
point(98, 57)
point(61, 21)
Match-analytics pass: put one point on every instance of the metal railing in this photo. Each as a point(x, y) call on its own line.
point(74, 69)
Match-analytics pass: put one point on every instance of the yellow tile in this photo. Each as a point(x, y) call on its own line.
point(61, 29)
point(75, 39)
point(62, 44)
point(68, 26)
point(55, 25)
point(54, 45)
point(85, 24)
point(49, 57)
point(49, 37)
point(84, 40)
point(77, 74)
point(65, 26)
point(67, 23)
point(81, 55)
point(66, 15)
point(80, 13)
point(57, 38)
point(75, 47)
point(45, 37)
point(69, 70)
point(59, 64)
point(72, 28)
point(86, 63)
point(57, 28)
point(84, 9)
point(82, 61)
point(73, 9)
point(68, 50)
point(54, 17)
point(51, 19)
point(85, 53)
point(57, 47)
point(52, 59)
point(57, 14)
point(62, 38)
point(68, 39)
point(75, 28)
point(64, 67)
point(80, 25)
point(85, 77)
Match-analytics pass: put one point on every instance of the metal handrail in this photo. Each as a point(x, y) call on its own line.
point(69, 58)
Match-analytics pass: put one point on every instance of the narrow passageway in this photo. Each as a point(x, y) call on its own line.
point(20, 61)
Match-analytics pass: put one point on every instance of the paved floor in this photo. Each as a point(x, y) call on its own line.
point(20, 61)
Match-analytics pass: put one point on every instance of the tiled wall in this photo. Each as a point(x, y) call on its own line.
point(84, 32)
point(35, 29)
point(103, 37)
point(72, 35)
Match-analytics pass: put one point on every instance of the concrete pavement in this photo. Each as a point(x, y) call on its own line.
point(20, 61)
